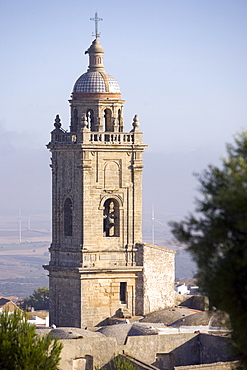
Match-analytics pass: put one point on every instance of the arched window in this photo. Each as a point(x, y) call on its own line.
point(111, 218)
point(107, 118)
point(68, 217)
point(120, 126)
point(90, 119)
point(75, 120)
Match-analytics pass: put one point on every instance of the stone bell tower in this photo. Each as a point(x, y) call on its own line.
point(96, 203)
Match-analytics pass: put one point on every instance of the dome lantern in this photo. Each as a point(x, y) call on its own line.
point(96, 80)
point(96, 54)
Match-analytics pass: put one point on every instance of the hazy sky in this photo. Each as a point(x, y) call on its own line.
point(180, 64)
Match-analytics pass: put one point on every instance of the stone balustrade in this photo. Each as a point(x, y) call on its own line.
point(111, 137)
point(60, 137)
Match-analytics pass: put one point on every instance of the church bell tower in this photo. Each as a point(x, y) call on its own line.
point(96, 203)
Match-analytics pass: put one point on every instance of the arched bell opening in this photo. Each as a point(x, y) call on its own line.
point(90, 119)
point(107, 120)
point(68, 217)
point(74, 120)
point(111, 217)
point(120, 121)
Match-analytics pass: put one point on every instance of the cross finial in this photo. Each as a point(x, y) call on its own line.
point(96, 20)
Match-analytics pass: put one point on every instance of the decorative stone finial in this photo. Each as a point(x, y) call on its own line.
point(57, 123)
point(136, 123)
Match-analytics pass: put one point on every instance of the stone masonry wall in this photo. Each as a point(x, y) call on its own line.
point(184, 348)
point(65, 298)
point(101, 295)
point(155, 285)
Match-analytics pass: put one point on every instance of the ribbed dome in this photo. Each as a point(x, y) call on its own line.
point(96, 82)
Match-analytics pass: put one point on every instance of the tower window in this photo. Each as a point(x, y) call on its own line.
point(111, 218)
point(68, 217)
point(107, 118)
point(123, 291)
point(75, 120)
point(120, 126)
point(90, 119)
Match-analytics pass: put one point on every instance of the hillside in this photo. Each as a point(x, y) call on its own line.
point(21, 270)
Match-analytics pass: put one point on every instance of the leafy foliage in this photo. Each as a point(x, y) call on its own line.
point(217, 238)
point(119, 363)
point(21, 348)
point(39, 300)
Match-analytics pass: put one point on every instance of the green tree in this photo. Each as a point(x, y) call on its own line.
point(39, 299)
point(119, 363)
point(217, 238)
point(21, 348)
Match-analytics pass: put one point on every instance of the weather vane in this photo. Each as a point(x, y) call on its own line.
point(96, 20)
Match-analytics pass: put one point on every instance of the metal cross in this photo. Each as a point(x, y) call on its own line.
point(96, 19)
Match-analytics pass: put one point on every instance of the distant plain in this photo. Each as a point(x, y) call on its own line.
point(25, 237)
